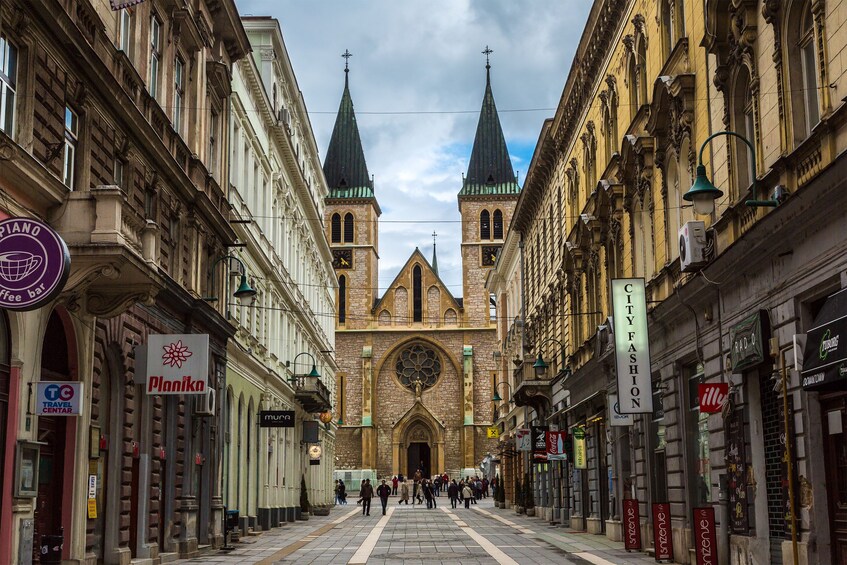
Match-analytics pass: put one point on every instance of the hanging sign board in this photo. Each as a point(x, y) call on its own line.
point(824, 358)
point(632, 346)
point(59, 398)
point(315, 454)
point(492, 432)
point(523, 441)
point(177, 363)
point(92, 508)
point(662, 535)
point(557, 446)
point(615, 416)
point(712, 397)
point(276, 419)
point(539, 444)
point(580, 454)
point(705, 538)
point(34, 264)
point(631, 524)
point(747, 339)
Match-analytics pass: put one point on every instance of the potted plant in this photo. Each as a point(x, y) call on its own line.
point(519, 509)
point(305, 506)
point(529, 501)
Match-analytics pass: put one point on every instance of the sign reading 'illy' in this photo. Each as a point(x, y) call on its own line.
point(632, 346)
point(276, 419)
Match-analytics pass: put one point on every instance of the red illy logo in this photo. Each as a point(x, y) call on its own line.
point(712, 396)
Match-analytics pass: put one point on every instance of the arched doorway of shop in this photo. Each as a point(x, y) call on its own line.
point(419, 457)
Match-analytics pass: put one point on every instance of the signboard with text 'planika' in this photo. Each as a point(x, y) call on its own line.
point(177, 363)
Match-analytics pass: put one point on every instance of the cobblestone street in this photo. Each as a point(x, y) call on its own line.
point(415, 535)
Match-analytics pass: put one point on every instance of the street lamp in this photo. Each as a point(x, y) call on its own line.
point(245, 292)
point(313, 373)
point(497, 397)
point(540, 365)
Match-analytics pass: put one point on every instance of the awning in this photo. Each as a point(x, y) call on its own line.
point(567, 409)
point(825, 355)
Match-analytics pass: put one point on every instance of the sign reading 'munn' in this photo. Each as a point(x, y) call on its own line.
point(177, 363)
point(632, 346)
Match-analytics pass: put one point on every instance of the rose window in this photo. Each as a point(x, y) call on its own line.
point(418, 367)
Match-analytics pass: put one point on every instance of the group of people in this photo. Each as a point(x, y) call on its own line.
point(468, 490)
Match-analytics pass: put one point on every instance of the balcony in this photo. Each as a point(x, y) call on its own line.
point(530, 389)
point(311, 393)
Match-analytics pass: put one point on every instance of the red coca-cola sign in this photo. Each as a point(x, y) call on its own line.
point(631, 524)
point(712, 396)
point(662, 535)
point(705, 538)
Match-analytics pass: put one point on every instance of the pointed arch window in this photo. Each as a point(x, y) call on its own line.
point(348, 228)
point(335, 230)
point(342, 299)
point(498, 224)
point(417, 298)
point(485, 225)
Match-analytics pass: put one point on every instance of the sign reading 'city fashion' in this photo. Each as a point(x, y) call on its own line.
point(539, 443)
point(712, 397)
point(34, 264)
point(58, 398)
point(631, 524)
point(615, 416)
point(177, 363)
point(276, 419)
point(747, 339)
point(632, 346)
point(580, 455)
point(705, 538)
point(557, 443)
point(662, 535)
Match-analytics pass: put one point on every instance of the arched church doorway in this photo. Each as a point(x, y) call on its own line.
point(419, 456)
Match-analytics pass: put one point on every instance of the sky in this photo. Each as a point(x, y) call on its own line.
point(417, 77)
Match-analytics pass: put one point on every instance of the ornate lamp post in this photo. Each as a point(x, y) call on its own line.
point(540, 365)
point(244, 293)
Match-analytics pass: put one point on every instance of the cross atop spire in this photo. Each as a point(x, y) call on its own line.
point(346, 56)
point(434, 235)
point(487, 52)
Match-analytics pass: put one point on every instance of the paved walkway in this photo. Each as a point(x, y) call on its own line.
point(482, 535)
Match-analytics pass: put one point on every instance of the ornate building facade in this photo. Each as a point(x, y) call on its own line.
point(416, 369)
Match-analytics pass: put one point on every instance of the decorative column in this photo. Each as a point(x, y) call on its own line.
point(467, 409)
point(368, 436)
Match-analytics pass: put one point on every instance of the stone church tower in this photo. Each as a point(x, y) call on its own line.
point(416, 370)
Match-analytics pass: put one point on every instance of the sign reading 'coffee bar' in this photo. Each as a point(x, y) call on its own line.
point(34, 264)
point(632, 346)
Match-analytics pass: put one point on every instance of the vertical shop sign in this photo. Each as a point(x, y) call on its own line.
point(705, 539)
point(557, 445)
point(539, 443)
point(632, 346)
point(631, 524)
point(662, 536)
point(523, 440)
point(736, 466)
point(580, 459)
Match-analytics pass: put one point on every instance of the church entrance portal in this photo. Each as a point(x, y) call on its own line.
point(418, 452)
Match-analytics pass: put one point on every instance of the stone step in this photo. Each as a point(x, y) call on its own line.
point(168, 557)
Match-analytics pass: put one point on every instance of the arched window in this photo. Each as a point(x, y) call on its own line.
point(342, 299)
point(348, 228)
point(632, 79)
point(336, 228)
point(642, 72)
point(742, 117)
point(498, 224)
point(417, 298)
point(674, 210)
point(485, 225)
point(803, 73)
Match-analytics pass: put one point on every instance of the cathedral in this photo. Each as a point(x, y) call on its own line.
point(416, 368)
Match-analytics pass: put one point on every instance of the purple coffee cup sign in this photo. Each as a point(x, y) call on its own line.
point(34, 263)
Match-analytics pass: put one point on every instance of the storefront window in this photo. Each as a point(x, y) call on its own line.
point(697, 431)
point(657, 442)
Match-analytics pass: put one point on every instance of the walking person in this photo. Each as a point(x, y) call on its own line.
point(453, 493)
point(485, 487)
point(404, 493)
point(437, 484)
point(467, 493)
point(383, 491)
point(366, 494)
point(394, 482)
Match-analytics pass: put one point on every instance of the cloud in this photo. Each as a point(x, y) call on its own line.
point(424, 58)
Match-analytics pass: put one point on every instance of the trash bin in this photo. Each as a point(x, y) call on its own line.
point(231, 520)
point(51, 549)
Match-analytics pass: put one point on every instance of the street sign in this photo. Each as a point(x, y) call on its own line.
point(493, 432)
point(58, 398)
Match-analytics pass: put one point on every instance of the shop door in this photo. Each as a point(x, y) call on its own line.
point(834, 412)
point(418, 453)
point(48, 505)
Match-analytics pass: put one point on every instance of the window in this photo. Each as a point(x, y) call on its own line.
point(642, 72)
point(8, 85)
point(155, 56)
point(498, 224)
point(125, 26)
point(342, 299)
point(120, 173)
point(697, 434)
point(809, 67)
point(214, 125)
point(417, 298)
point(348, 228)
point(485, 225)
point(657, 443)
point(71, 138)
point(335, 229)
point(179, 93)
point(742, 116)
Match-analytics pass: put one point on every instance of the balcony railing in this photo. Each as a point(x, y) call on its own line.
point(311, 393)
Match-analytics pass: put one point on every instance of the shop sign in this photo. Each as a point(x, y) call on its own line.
point(705, 538)
point(59, 398)
point(34, 264)
point(92, 508)
point(539, 443)
point(177, 363)
point(662, 535)
point(712, 397)
point(747, 339)
point(557, 446)
point(615, 416)
point(736, 467)
point(523, 441)
point(492, 432)
point(632, 346)
point(92, 486)
point(825, 353)
point(276, 418)
point(631, 524)
point(315, 454)
point(580, 455)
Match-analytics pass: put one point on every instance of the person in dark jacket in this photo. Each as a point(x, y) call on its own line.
point(366, 494)
point(453, 493)
point(383, 491)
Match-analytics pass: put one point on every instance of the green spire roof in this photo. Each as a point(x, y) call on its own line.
point(434, 259)
point(344, 167)
point(490, 170)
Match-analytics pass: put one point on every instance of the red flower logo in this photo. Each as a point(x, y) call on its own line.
point(176, 354)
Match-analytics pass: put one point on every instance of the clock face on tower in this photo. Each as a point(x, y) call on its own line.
point(342, 258)
point(489, 255)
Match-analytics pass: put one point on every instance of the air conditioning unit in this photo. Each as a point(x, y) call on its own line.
point(204, 405)
point(284, 117)
point(692, 246)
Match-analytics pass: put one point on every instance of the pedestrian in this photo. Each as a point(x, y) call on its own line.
point(437, 484)
point(404, 493)
point(340, 493)
point(383, 491)
point(467, 493)
point(453, 493)
point(394, 482)
point(367, 493)
point(485, 487)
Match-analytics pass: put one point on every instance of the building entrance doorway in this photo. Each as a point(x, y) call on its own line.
point(834, 410)
point(419, 456)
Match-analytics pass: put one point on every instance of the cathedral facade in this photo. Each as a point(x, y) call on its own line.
point(416, 367)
